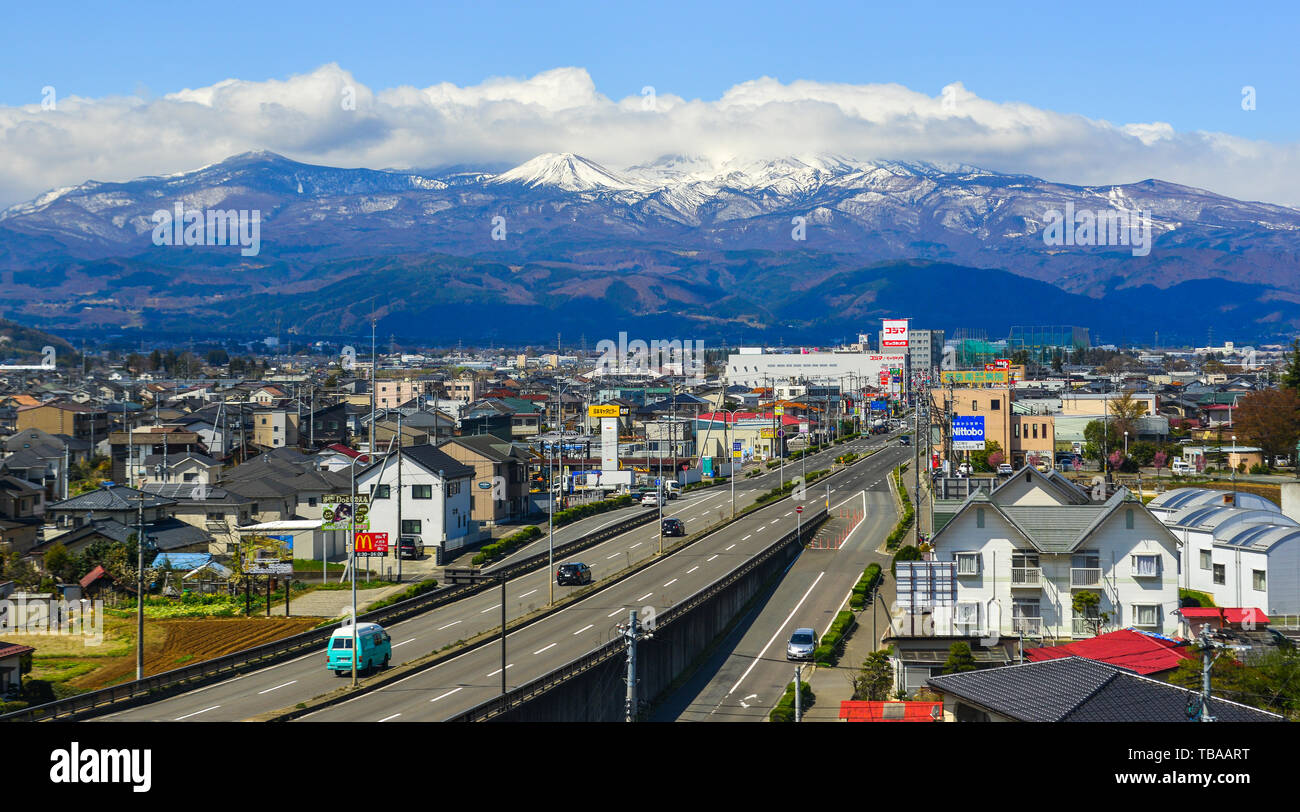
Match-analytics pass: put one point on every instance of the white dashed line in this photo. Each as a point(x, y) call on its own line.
point(489, 609)
point(449, 625)
point(394, 716)
point(634, 546)
point(195, 713)
point(615, 612)
point(692, 569)
point(747, 538)
point(449, 693)
point(584, 628)
point(643, 597)
point(544, 648)
point(670, 583)
point(276, 688)
point(498, 671)
point(404, 642)
point(529, 592)
point(710, 558)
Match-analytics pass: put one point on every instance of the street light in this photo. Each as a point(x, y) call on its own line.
point(352, 551)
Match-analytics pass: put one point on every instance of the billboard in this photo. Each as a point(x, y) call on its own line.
point(609, 443)
point(894, 334)
point(968, 432)
point(370, 545)
point(604, 410)
point(974, 376)
point(337, 510)
point(267, 555)
point(879, 405)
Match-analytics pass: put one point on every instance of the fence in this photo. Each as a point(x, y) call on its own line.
point(229, 665)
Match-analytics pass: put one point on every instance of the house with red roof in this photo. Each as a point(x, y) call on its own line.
point(1141, 653)
point(1221, 617)
point(14, 660)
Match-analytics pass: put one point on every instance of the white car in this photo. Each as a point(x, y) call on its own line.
point(963, 469)
point(651, 499)
point(1005, 469)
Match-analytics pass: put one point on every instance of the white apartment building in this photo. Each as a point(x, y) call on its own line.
point(1008, 563)
point(436, 500)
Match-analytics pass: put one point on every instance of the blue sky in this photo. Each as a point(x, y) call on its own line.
point(1181, 63)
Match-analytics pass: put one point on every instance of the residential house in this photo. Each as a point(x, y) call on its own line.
point(500, 473)
point(436, 500)
point(22, 512)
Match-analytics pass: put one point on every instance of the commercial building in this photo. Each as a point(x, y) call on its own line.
point(1020, 433)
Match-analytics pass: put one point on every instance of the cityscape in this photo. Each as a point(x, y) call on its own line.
point(521, 387)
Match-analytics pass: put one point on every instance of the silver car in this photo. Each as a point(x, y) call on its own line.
point(802, 644)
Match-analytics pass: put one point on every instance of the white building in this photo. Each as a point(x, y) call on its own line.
point(1237, 547)
point(436, 500)
point(1010, 562)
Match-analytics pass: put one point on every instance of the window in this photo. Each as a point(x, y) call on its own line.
point(379, 491)
point(453, 488)
point(1146, 615)
point(1128, 519)
point(1146, 566)
point(1017, 431)
point(1035, 428)
point(1220, 574)
point(995, 404)
point(410, 527)
point(1205, 560)
point(967, 618)
point(1259, 580)
point(967, 563)
point(979, 517)
point(421, 491)
point(974, 405)
point(311, 501)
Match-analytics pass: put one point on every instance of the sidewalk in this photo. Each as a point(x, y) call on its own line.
point(334, 602)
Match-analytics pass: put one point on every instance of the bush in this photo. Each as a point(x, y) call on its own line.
point(508, 544)
point(1259, 469)
point(832, 643)
point(577, 512)
point(406, 594)
point(784, 710)
point(862, 591)
point(905, 553)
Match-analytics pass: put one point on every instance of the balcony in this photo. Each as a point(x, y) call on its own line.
point(1085, 577)
point(1031, 626)
point(1026, 577)
point(1085, 627)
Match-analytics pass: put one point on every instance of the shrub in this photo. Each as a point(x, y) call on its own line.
point(406, 594)
point(861, 594)
point(784, 710)
point(828, 651)
point(508, 544)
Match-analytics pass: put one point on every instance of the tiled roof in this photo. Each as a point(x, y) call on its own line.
point(1074, 689)
point(1126, 648)
point(111, 497)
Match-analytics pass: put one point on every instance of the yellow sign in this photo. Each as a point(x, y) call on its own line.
point(780, 410)
point(604, 410)
point(736, 454)
point(974, 376)
point(767, 434)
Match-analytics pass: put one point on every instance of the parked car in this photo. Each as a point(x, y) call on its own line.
point(802, 644)
point(674, 527)
point(374, 649)
point(1182, 468)
point(574, 573)
point(1005, 469)
point(410, 547)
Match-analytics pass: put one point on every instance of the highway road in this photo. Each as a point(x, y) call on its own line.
point(747, 675)
point(288, 683)
point(463, 682)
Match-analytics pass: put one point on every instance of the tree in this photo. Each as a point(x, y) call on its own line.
point(959, 658)
point(1159, 460)
point(1093, 434)
point(1125, 411)
point(876, 677)
point(218, 357)
point(907, 552)
point(982, 460)
point(1270, 680)
point(1270, 419)
point(58, 562)
point(1142, 453)
point(1086, 605)
point(1058, 361)
point(1291, 377)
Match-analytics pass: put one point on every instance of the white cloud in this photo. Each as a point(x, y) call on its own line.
point(511, 120)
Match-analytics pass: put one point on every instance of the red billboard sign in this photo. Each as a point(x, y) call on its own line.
point(368, 544)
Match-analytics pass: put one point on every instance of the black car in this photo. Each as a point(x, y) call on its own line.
point(575, 573)
point(674, 527)
point(410, 547)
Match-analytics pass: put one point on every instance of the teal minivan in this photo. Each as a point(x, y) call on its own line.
point(375, 649)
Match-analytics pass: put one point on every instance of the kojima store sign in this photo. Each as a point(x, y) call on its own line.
point(968, 433)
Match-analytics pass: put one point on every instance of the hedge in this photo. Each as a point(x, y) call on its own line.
point(577, 512)
point(909, 513)
point(410, 592)
point(784, 710)
point(787, 488)
point(506, 545)
point(861, 594)
point(832, 643)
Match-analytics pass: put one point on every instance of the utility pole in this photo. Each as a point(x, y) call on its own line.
point(798, 692)
point(374, 381)
point(633, 635)
point(399, 495)
point(139, 592)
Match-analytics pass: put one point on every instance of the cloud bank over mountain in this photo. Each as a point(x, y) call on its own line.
point(328, 117)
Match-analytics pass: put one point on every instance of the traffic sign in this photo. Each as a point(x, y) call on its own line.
point(735, 446)
point(798, 508)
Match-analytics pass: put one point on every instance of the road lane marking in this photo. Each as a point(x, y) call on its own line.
point(643, 597)
point(498, 671)
point(634, 546)
point(615, 555)
point(449, 693)
point(269, 690)
point(670, 583)
point(195, 713)
point(529, 592)
point(730, 546)
point(404, 642)
point(615, 612)
point(544, 648)
point(490, 609)
point(584, 628)
point(779, 630)
point(394, 716)
point(449, 625)
point(692, 569)
point(747, 538)
point(710, 558)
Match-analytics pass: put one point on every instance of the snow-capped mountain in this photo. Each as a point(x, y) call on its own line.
point(567, 210)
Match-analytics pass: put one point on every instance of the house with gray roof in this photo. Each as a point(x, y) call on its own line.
point(1074, 689)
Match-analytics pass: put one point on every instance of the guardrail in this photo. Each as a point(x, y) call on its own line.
point(500, 704)
point(228, 665)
